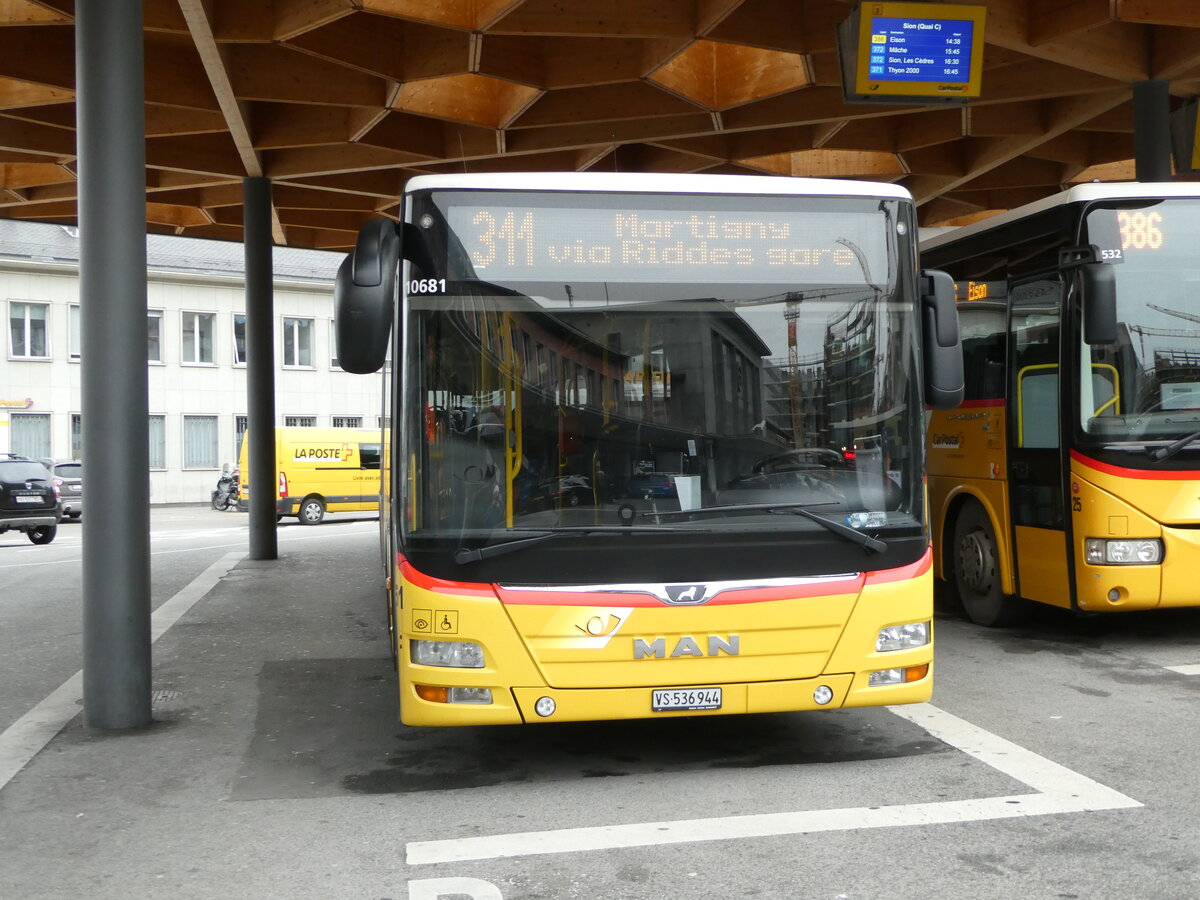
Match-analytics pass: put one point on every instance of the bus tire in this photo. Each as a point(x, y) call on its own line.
point(977, 571)
point(312, 511)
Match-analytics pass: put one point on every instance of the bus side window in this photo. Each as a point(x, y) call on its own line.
point(1037, 405)
point(1035, 337)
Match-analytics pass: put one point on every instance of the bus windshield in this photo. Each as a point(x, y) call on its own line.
point(1146, 386)
point(661, 364)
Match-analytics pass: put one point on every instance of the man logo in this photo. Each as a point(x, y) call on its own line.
point(686, 646)
point(686, 594)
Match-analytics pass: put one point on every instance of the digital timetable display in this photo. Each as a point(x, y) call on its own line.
point(913, 52)
point(920, 50)
point(519, 243)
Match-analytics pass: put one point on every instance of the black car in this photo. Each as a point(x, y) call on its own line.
point(29, 501)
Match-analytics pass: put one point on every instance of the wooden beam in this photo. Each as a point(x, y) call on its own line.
point(378, 45)
point(1056, 20)
point(1116, 50)
point(42, 140)
point(562, 18)
point(1065, 115)
point(280, 73)
point(1174, 13)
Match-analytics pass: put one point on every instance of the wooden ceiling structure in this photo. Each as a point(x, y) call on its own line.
point(339, 102)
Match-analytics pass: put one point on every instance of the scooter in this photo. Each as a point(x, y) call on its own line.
point(225, 496)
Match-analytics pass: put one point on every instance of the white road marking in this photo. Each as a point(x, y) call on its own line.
point(25, 738)
point(1057, 790)
point(1185, 670)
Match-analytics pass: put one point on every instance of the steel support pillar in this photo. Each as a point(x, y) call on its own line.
point(260, 366)
point(1152, 130)
point(110, 114)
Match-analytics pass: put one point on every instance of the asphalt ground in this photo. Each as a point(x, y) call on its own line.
point(1054, 762)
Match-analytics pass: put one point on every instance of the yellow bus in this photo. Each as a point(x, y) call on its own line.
point(320, 470)
point(657, 444)
point(1070, 475)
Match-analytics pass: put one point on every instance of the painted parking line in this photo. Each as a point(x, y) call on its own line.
point(1185, 670)
point(24, 738)
point(1057, 789)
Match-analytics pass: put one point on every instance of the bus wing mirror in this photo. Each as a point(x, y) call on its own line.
point(941, 344)
point(364, 294)
point(1099, 303)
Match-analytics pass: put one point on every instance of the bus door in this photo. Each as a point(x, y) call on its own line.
point(1035, 459)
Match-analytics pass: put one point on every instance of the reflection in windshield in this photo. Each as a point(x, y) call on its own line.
point(1146, 386)
point(556, 405)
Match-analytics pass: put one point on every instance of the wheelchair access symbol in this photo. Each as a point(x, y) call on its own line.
point(430, 621)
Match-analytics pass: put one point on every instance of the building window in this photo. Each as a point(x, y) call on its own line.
point(76, 436)
point(333, 358)
point(300, 421)
point(30, 434)
point(158, 442)
point(200, 442)
point(384, 421)
point(297, 343)
point(73, 312)
point(239, 339)
point(28, 336)
point(240, 424)
point(347, 421)
point(197, 337)
point(154, 335)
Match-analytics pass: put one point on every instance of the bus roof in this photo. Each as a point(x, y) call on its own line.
point(658, 183)
point(1081, 193)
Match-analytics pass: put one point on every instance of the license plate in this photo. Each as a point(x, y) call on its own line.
point(28, 498)
point(668, 699)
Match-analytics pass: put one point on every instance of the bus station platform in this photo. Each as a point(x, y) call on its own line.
point(275, 685)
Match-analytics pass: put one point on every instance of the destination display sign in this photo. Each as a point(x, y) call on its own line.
point(514, 243)
point(913, 52)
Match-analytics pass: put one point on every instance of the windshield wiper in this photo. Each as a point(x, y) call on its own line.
point(1166, 452)
point(800, 509)
point(464, 555)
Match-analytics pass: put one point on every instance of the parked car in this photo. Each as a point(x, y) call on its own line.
point(29, 501)
point(68, 478)
point(651, 485)
point(565, 490)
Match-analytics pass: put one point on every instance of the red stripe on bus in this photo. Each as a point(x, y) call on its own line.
point(1122, 472)
point(429, 583)
point(734, 596)
point(904, 573)
point(517, 597)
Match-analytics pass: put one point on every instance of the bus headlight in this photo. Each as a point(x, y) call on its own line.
point(898, 676)
point(1123, 552)
point(454, 654)
point(902, 637)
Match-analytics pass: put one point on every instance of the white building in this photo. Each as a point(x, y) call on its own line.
point(195, 349)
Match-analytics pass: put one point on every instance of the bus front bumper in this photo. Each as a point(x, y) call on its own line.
point(511, 706)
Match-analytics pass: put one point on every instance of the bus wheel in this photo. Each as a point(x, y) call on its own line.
point(312, 511)
point(977, 571)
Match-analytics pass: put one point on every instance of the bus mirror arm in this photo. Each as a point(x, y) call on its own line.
point(1099, 285)
point(364, 293)
point(942, 346)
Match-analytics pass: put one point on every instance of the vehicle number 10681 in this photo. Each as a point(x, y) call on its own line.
point(668, 699)
point(427, 286)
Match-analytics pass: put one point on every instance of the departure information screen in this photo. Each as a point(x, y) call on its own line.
point(921, 49)
point(914, 52)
